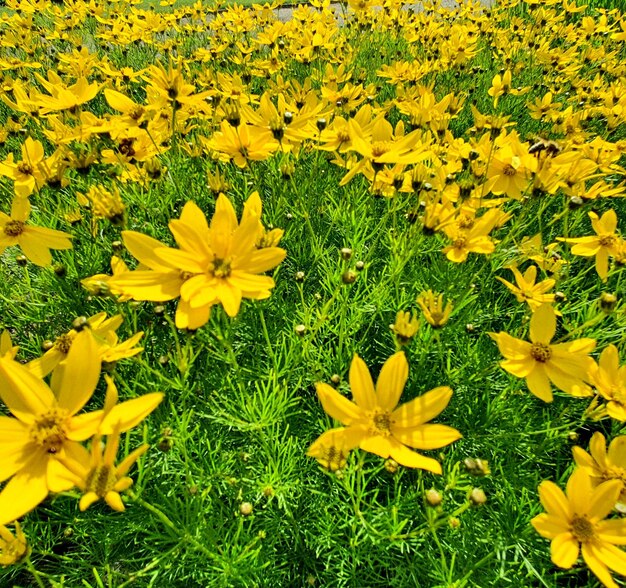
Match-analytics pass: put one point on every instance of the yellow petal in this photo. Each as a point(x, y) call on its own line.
point(114, 500)
point(423, 408)
point(579, 491)
point(25, 490)
point(86, 500)
point(539, 384)
point(148, 285)
point(193, 216)
point(25, 395)
point(142, 247)
point(264, 260)
point(564, 550)
point(80, 375)
point(597, 566)
point(549, 526)
point(411, 459)
point(362, 385)
point(128, 414)
point(543, 324)
point(84, 425)
point(554, 501)
point(34, 249)
point(391, 381)
point(603, 499)
point(337, 406)
point(426, 436)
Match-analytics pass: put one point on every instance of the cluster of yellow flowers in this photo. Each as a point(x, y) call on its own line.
point(404, 140)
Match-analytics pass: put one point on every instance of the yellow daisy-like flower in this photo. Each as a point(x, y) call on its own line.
point(433, 308)
point(35, 242)
point(576, 522)
point(216, 264)
point(566, 365)
point(603, 244)
point(12, 547)
point(527, 290)
point(47, 428)
point(603, 465)
point(609, 379)
point(375, 423)
point(104, 334)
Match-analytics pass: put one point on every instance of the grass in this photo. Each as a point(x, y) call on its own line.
point(226, 495)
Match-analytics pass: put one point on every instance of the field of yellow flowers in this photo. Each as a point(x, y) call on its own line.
point(333, 299)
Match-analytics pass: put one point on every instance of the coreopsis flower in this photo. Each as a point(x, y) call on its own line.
point(104, 204)
point(602, 465)
point(28, 174)
point(35, 242)
point(609, 379)
point(576, 521)
point(46, 427)
point(105, 336)
point(218, 263)
point(527, 290)
point(242, 144)
point(510, 170)
point(433, 308)
point(375, 423)
point(474, 239)
point(405, 327)
point(12, 547)
point(602, 245)
point(540, 362)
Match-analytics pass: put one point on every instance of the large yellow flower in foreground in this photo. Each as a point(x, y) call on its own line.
point(216, 264)
point(47, 429)
point(577, 520)
point(375, 423)
point(566, 365)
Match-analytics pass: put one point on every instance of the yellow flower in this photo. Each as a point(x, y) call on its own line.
point(609, 380)
point(12, 547)
point(405, 327)
point(376, 424)
point(47, 428)
point(27, 174)
point(602, 466)
point(103, 330)
point(98, 285)
point(35, 242)
point(604, 244)
point(578, 520)
point(215, 264)
point(527, 290)
point(434, 311)
point(566, 365)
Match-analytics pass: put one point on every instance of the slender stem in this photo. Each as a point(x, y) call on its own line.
point(33, 571)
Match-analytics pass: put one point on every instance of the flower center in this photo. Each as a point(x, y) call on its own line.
point(50, 430)
point(509, 170)
point(64, 343)
point(465, 222)
point(582, 529)
point(540, 352)
point(607, 240)
point(459, 243)
point(14, 228)
point(379, 148)
point(380, 423)
point(25, 168)
point(220, 268)
point(101, 480)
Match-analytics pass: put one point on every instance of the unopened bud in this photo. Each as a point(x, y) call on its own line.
point(348, 277)
point(335, 380)
point(299, 277)
point(391, 466)
point(80, 323)
point(359, 266)
point(608, 302)
point(346, 253)
point(300, 330)
point(433, 497)
point(245, 508)
point(478, 496)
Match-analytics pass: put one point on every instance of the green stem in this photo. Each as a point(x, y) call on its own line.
point(33, 571)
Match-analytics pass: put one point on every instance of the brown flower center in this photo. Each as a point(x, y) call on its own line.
point(459, 243)
point(14, 228)
point(540, 352)
point(509, 170)
point(63, 343)
point(379, 148)
point(50, 430)
point(221, 268)
point(25, 168)
point(101, 480)
point(607, 240)
point(380, 423)
point(583, 529)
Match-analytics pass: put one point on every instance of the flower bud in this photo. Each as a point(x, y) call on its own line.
point(299, 277)
point(608, 302)
point(348, 277)
point(335, 380)
point(245, 508)
point(391, 466)
point(478, 496)
point(359, 266)
point(433, 497)
point(300, 330)
point(346, 253)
